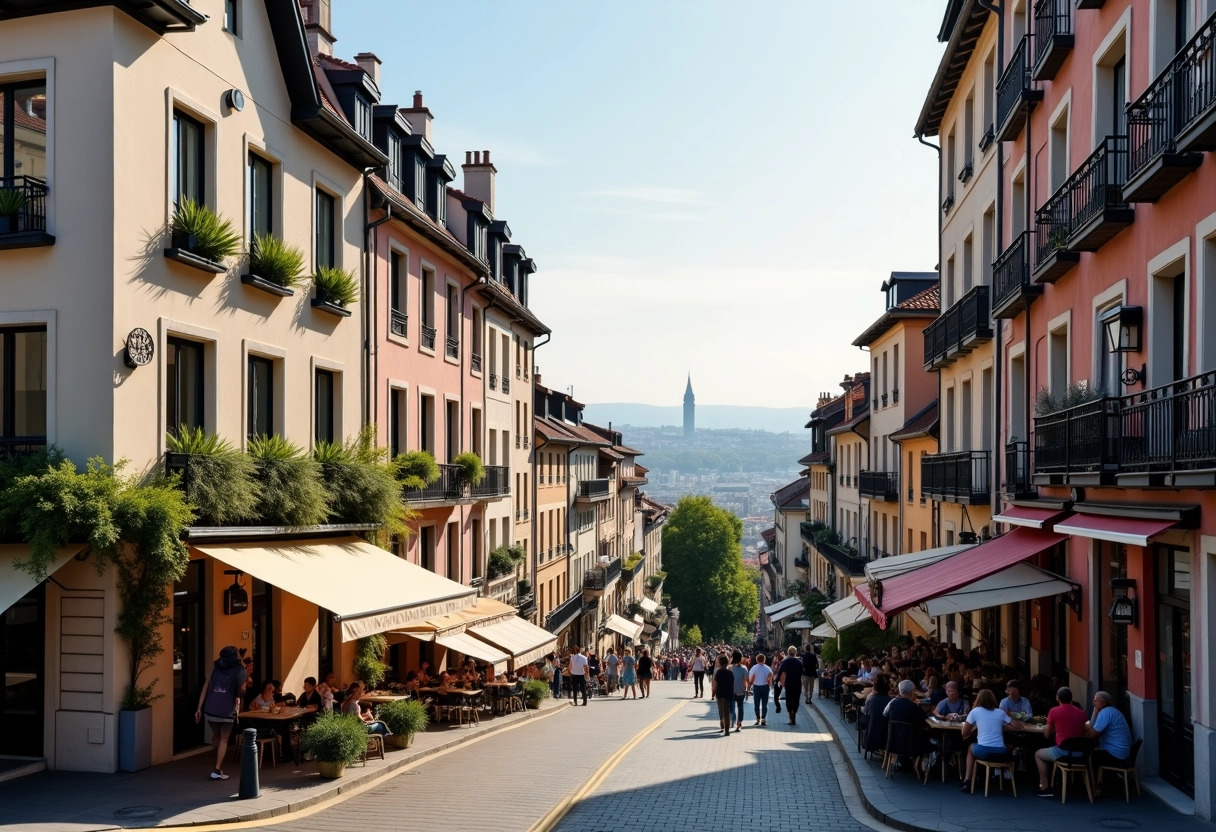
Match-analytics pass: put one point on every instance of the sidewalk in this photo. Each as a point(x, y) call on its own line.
point(904, 803)
point(180, 793)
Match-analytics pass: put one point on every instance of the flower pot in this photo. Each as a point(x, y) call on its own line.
point(8, 224)
point(134, 739)
point(184, 240)
point(331, 771)
point(401, 740)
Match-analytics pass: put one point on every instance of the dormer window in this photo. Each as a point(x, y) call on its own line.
point(420, 182)
point(394, 162)
point(363, 117)
point(438, 189)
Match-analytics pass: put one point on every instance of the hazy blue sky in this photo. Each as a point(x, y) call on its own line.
point(707, 187)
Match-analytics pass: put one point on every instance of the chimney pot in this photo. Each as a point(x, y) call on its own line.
point(468, 157)
point(417, 99)
point(486, 156)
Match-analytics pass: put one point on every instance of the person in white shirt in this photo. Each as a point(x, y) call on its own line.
point(613, 663)
point(578, 674)
point(760, 677)
point(867, 672)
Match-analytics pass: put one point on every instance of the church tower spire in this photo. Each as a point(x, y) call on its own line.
point(690, 410)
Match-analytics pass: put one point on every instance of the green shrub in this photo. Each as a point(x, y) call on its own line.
point(864, 638)
point(633, 560)
point(289, 487)
point(471, 469)
point(690, 636)
point(404, 717)
point(220, 481)
point(416, 469)
point(1075, 394)
point(369, 663)
point(361, 483)
point(504, 559)
point(271, 258)
point(214, 238)
point(12, 200)
point(653, 582)
point(335, 737)
point(336, 285)
point(534, 691)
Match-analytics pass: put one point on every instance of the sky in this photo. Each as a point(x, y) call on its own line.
point(707, 187)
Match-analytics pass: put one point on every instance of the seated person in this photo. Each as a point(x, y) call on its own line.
point(351, 705)
point(934, 690)
point(1014, 702)
point(411, 681)
point(867, 671)
point(1109, 727)
point(264, 701)
point(953, 706)
point(875, 738)
point(989, 723)
point(905, 708)
point(310, 699)
point(446, 682)
point(424, 674)
point(1064, 722)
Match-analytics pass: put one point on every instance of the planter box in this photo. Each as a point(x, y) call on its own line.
point(325, 305)
point(134, 739)
point(331, 771)
point(189, 258)
point(268, 286)
point(10, 225)
point(401, 740)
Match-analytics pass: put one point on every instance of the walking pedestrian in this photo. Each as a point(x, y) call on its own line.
point(740, 673)
point(810, 669)
point(683, 668)
point(759, 677)
point(699, 666)
point(777, 660)
point(722, 687)
point(578, 675)
point(629, 677)
point(789, 674)
point(219, 700)
point(645, 671)
point(553, 667)
point(613, 665)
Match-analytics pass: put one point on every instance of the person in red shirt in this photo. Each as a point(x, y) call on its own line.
point(1065, 721)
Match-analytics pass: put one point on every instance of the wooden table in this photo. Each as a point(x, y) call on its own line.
point(284, 716)
point(943, 725)
point(381, 698)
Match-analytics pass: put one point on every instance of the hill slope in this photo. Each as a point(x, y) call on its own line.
point(715, 416)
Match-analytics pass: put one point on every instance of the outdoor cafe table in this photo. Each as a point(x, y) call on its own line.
point(946, 726)
point(381, 698)
point(284, 716)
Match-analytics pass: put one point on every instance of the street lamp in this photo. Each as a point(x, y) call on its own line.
point(1124, 332)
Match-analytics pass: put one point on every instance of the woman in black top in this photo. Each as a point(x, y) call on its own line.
point(723, 690)
point(310, 698)
point(645, 671)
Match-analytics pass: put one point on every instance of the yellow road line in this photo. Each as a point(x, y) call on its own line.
point(357, 790)
point(554, 815)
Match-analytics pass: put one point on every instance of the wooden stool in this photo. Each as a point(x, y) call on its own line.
point(991, 766)
point(272, 741)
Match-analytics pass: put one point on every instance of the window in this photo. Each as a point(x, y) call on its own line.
point(968, 264)
point(325, 398)
point(451, 429)
point(394, 161)
point(475, 431)
point(426, 424)
point(188, 159)
point(261, 196)
point(23, 387)
point(420, 182)
point(261, 396)
point(453, 343)
point(989, 87)
point(396, 421)
point(428, 297)
point(1057, 360)
point(230, 19)
point(24, 153)
point(326, 214)
point(363, 117)
point(453, 541)
point(1058, 151)
point(183, 385)
point(397, 295)
point(426, 547)
point(476, 335)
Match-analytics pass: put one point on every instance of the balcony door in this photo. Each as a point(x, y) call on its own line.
point(21, 660)
point(189, 661)
point(1175, 725)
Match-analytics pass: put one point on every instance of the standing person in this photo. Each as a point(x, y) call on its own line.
point(740, 673)
point(578, 675)
point(219, 701)
point(777, 660)
point(683, 668)
point(699, 666)
point(613, 663)
point(810, 669)
point(645, 671)
point(759, 678)
point(593, 671)
point(553, 667)
point(722, 687)
point(629, 677)
point(789, 674)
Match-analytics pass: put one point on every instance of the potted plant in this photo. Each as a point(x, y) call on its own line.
point(290, 490)
point(361, 483)
point(416, 469)
point(201, 238)
point(534, 691)
point(336, 290)
point(1057, 238)
point(274, 266)
point(334, 740)
point(12, 201)
point(469, 469)
point(404, 717)
point(220, 482)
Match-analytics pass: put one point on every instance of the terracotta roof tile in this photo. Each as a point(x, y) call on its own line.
point(792, 495)
point(929, 300)
point(339, 63)
point(919, 424)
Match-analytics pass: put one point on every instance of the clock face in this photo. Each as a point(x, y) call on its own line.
point(140, 347)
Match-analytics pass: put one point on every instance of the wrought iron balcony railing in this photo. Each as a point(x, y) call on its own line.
point(428, 337)
point(497, 483)
point(602, 576)
point(959, 477)
point(449, 487)
point(475, 362)
point(1012, 288)
point(1015, 92)
point(28, 226)
point(506, 384)
point(493, 381)
point(1017, 470)
point(592, 489)
point(14, 447)
point(880, 485)
point(1053, 37)
point(1169, 429)
point(1081, 439)
point(843, 558)
point(564, 614)
point(398, 323)
point(452, 346)
point(958, 329)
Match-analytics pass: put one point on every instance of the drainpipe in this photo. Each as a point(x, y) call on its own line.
point(532, 378)
point(934, 514)
point(371, 354)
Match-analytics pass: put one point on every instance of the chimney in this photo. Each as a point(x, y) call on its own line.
point(371, 65)
point(419, 117)
point(479, 176)
point(316, 26)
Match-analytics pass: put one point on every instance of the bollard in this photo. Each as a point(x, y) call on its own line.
point(249, 764)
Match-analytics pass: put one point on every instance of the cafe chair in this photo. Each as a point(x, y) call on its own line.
point(1078, 763)
point(1128, 769)
point(267, 739)
point(863, 722)
point(902, 741)
point(375, 745)
point(1002, 763)
point(517, 698)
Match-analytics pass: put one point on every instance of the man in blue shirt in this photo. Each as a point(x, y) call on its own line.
point(1014, 702)
point(1110, 729)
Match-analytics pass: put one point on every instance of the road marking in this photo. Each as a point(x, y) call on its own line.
point(554, 815)
point(345, 795)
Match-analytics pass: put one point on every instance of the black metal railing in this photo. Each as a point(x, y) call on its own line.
point(564, 613)
point(880, 485)
point(506, 384)
point(1195, 70)
point(878, 554)
point(592, 488)
point(398, 322)
point(1169, 428)
point(894, 395)
point(1011, 271)
point(493, 381)
point(1097, 184)
point(962, 475)
point(884, 399)
point(15, 447)
point(954, 330)
point(496, 483)
point(1080, 439)
point(1051, 18)
point(1017, 469)
point(428, 337)
point(801, 562)
point(450, 486)
point(31, 216)
point(475, 362)
point(1014, 81)
point(843, 557)
point(602, 576)
point(453, 347)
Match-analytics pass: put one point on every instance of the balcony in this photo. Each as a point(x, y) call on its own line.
point(1015, 93)
point(601, 577)
point(880, 485)
point(1017, 483)
point(1078, 445)
point(959, 477)
point(475, 362)
point(450, 488)
point(496, 485)
point(452, 347)
point(26, 228)
point(592, 491)
point(844, 558)
point(504, 588)
point(1052, 259)
point(1168, 435)
point(959, 329)
point(398, 323)
point(1012, 288)
point(1090, 4)
point(428, 337)
point(565, 614)
point(1097, 209)
point(1053, 37)
point(966, 173)
point(1172, 120)
point(16, 447)
point(493, 381)
point(506, 384)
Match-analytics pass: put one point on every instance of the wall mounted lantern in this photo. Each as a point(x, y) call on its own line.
point(1123, 608)
point(1125, 333)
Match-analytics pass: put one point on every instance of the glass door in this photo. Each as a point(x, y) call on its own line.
point(190, 665)
point(21, 660)
point(1176, 731)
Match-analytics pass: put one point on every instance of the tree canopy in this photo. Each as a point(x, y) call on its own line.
point(703, 556)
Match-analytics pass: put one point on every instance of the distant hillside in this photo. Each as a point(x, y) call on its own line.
point(715, 416)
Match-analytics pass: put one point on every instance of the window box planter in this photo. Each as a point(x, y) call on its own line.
point(323, 303)
point(268, 286)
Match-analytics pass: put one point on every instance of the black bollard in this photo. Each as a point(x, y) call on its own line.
point(250, 787)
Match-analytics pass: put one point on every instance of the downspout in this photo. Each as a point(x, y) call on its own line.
point(933, 513)
point(535, 554)
point(371, 354)
point(463, 406)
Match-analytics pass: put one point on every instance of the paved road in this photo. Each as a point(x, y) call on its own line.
point(681, 776)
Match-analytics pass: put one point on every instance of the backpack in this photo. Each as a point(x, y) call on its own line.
point(222, 695)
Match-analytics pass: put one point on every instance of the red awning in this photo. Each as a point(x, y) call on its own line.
point(1028, 516)
point(908, 590)
point(1133, 530)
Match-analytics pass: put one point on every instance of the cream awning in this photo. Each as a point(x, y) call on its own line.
point(798, 625)
point(842, 614)
point(14, 582)
point(484, 611)
point(464, 643)
point(778, 606)
point(1021, 582)
point(625, 627)
point(824, 630)
point(899, 564)
point(523, 640)
point(649, 605)
point(789, 611)
point(367, 589)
